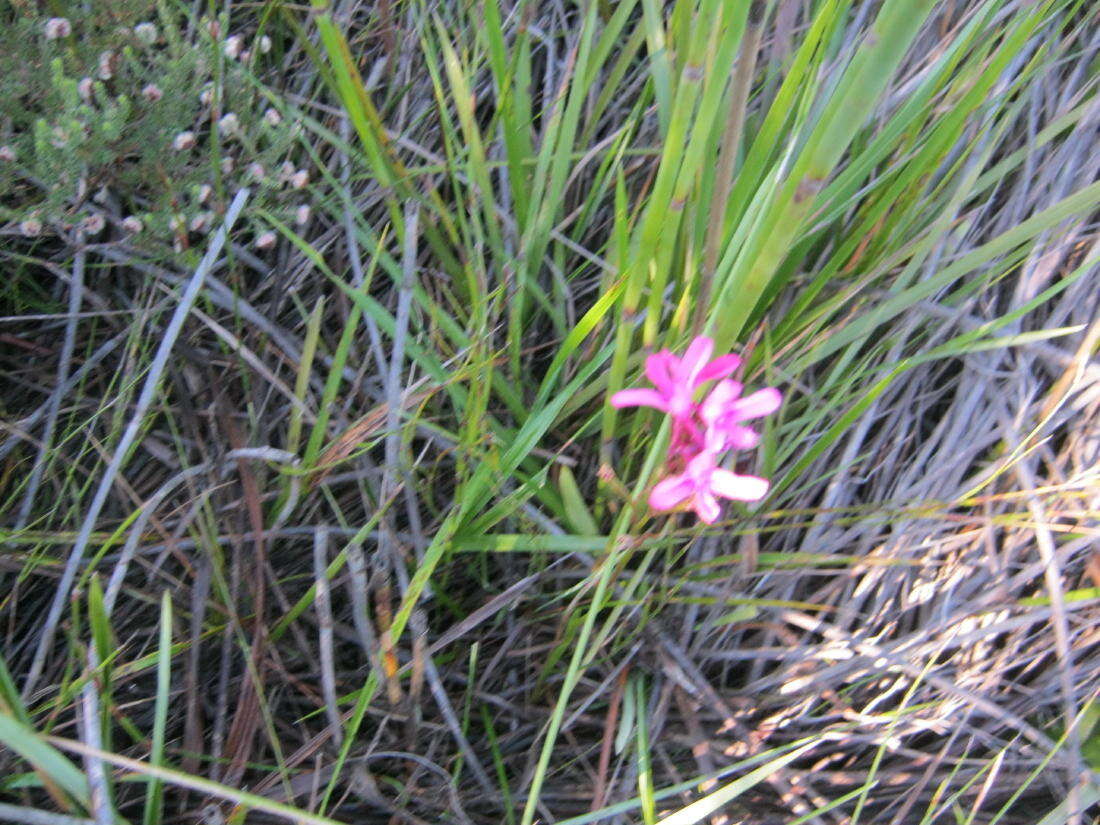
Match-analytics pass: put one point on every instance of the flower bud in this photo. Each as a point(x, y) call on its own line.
point(205, 191)
point(272, 117)
point(232, 47)
point(107, 64)
point(302, 214)
point(146, 33)
point(228, 124)
point(299, 179)
point(57, 27)
point(266, 240)
point(31, 227)
point(93, 224)
point(7, 154)
point(256, 171)
point(184, 141)
point(264, 44)
point(152, 92)
point(202, 221)
point(132, 224)
point(86, 88)
point(227, 165)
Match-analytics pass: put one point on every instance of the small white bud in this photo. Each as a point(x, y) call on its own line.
point(206, 96)
point(152, 92)
point(285, 171)
point(246, 55)
point(184, 141)
point(93, 224)
point(107, 62)
point(272, 117)
point(132, 224)
point(299, 179)
point(58, 27)
point(101, 195)
point(256, 171)
point(146, 33)
point(266, 240)
point(264, 44)
point(205, 191)
point(214, 28)
point(227, 165)
point(232, 47)
point(302, 214)
point(228, 124)
point(86, 88)
point(201, 222)
point(30, 227)
point(177, 223)
point(7, 154)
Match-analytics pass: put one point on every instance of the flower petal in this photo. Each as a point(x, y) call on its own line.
point(741, 438)
point(718, 368)
point(658, 369)
point(695, 359)
point(706, 507)
point(738, 488)
point(670, 492)
point(722, 396)
point(639, 398)
point(760, 403)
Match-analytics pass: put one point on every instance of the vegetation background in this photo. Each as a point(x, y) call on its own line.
point(312, 507)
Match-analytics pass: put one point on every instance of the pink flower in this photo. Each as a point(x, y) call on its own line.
point(700, 485)
point(676, 379)
point(723, 411)
point(702, 432)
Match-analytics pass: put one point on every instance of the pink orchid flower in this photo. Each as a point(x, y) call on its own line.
point(722, 412)
point(700, 485)
point(677, 379)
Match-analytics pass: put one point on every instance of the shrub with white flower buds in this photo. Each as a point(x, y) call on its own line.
point(107, 61)
point(152, 92)
point(7, 154)
point(184, 141)
point(30, 227)
point(272, 117)
point(299, 179)
point(302, 214)
point(57, 27)
point(228, 124)
point(232, 46)
point(132, 224)
point(146, 33)
point(266, 240)
point(93, 224)
point(86, 88)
